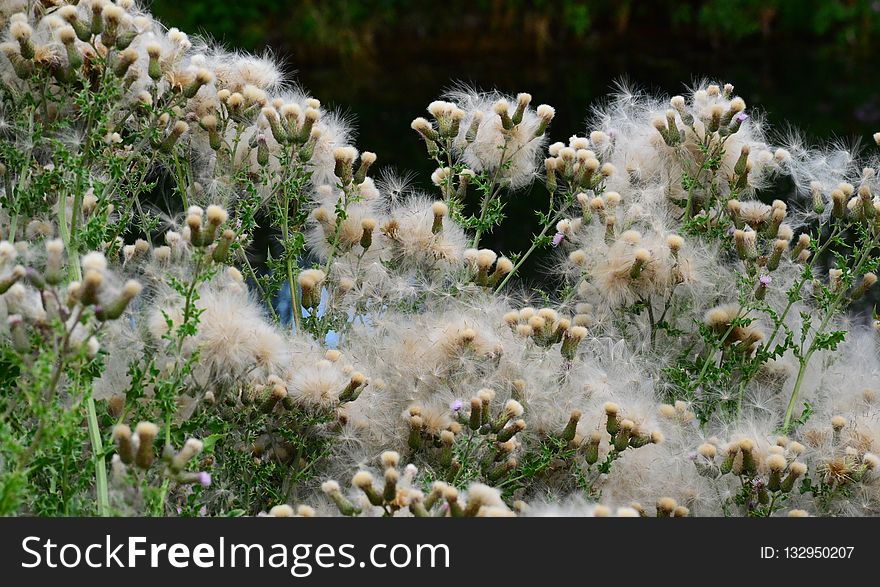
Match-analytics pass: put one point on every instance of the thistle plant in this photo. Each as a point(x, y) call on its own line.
point(190, 239)
point(51, 361)
point(146, 485)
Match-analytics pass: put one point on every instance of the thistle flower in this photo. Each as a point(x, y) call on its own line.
point(310, 281)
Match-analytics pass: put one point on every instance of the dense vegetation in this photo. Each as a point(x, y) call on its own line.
point(705, 342)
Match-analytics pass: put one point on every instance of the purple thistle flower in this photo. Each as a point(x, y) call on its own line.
point(456, 406)
point(557, 238)
point(765, 280)
point(741, 117)
point(205, 478)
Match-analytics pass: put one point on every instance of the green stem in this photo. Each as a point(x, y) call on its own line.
point(294, 295)
point(10, 196)
point(531, 250)
point(182, 183)
point(861, 259)
point(163, 498)
point(13, 222)
point(290, 263)
point(490, 195)
point(800, 284)
point(74, 269)
point(98, 458)
point(794, 393)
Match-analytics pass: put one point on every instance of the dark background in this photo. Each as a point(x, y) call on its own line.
point(808, 63)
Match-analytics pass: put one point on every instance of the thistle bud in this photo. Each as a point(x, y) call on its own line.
point(795, 470)
point(368, 225)
point(761, 289)
point(450, 494)
point(415, 432)
point(503, 266)
point(447, 440)
point(91, 285)
point(641, 258)
point(115, 308)
point(262, 150)
point(550, 166)
point(344, 157)
point(424, 128)
point(21, 31)
point(501, 108)
point(177, 131)
point(367, 159)
point(779, 247)
point(838, 423)
point(154, 69)
point(355, 385)
point(776, 464)
point(146, 432)
point(665, 507)
point(437, 491)
point(592, 447)
point(221, 251)
point(190, 449)
point(20, 341)
point(838, 202)
point(570, 341)
point(69, 14)
point(363, 480)
point(745, 242)
point(203, 77)
point(571, 428)
point(97, 26)
point(749, 465)
point(867, 282)
point(18, 272)
point(621, 439)
point(440, 210)
point(610, 222)
point(522, 102)
point(332, 490)
point(389, 492)
point(471, 133)
point(612, 425)
point(485, 396)
point(803, 244)
point(281, 511)
point(67, 36)
point(740, 167)
point(511, 431)
point(310, 282)
point(502, 469)
point(546, 114)
point(866, 201)
point(124, 446)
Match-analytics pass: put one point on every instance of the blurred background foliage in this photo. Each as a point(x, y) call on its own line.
point(352, 28)
point(806, 63)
